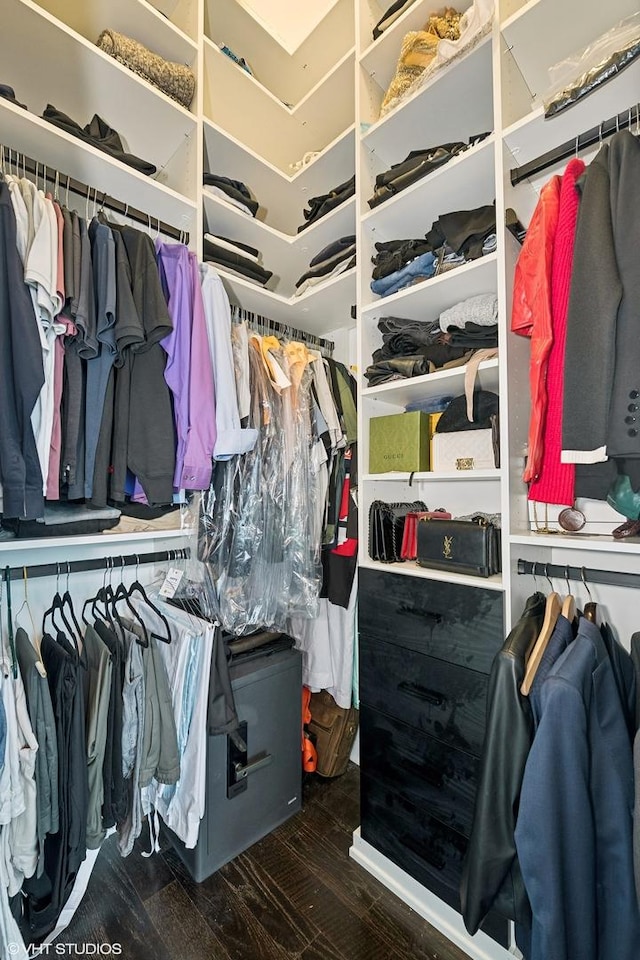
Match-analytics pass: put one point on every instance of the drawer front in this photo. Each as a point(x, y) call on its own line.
point(460, 624)
point(435, 777)
point(441, 699)
point(419, 844)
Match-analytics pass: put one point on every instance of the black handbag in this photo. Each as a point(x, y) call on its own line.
point(386, 527)
point(461, 546)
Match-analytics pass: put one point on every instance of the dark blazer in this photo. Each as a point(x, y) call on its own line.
point(575, 824)
point(491, 877)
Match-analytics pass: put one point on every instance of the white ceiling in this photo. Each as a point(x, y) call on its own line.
point(288, 21)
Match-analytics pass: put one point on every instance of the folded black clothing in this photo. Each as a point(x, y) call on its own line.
point(8, 93)
point(594, 480)
point(235, 261)
point(484, 335)
point(333, 248)
point(420, 331)
point(144, 511)
point(242, 246)
point(418, 164)
point(33, 529)
point(464, 231)
point(438, 354)
point(322, 269)
point(235, 189)
point(389, 261)
point(326, 202)
point(390, 16)
point(396, 368)
point(99, 134)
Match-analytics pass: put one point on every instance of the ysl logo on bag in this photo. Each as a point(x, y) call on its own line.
point(446, 548)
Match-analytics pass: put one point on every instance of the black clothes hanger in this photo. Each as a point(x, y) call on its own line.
point(12, 643)
point(590, 609)
point(121, 593)
point(136, 587)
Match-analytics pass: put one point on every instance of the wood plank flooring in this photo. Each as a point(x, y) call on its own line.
point(295, 895)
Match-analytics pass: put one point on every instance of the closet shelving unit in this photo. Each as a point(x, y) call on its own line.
point(78, 78)
point(299, 101)
point(490, 88)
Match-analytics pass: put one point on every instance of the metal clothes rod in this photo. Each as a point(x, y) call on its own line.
point(239, 313)
point(571, 148)
point(101, 199)
point(114, 563)
point(558, 571)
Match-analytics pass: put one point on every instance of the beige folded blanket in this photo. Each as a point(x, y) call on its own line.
point(174, 79)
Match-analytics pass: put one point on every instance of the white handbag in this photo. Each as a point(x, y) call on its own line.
point(463, 450)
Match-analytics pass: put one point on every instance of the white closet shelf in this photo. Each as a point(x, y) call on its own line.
point(134, 18)
point(429, 298)
point(81, 80)
point(411, 569)
point(323, 308)
point(183, 13)
point(430, 476)
point(57, 149)
point(532, 136)
point(463, 183)
point(458, 99)
point(402, 392)
point(15, 546)
point(381, 56)
point(596, 543)
point(289, 72)
point(287, 194)
point(565, 29)
point(280, 133)
point(286, 255)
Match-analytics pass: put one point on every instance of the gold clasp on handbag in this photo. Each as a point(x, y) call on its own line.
point(464, 463)
point(446, 548)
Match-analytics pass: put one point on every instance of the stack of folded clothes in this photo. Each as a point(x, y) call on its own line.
point(337, 257)
point(236, 258)
point(454, 239)
point(319, 206)
point(472, 323)
point(99, 134)
point(412, 348)
point(415, 166)
point(234, 192)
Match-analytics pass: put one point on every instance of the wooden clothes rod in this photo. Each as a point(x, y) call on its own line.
point(114, 563)
point(557, 571)
point(570, 148)
point(239, 313)
point(101, 199)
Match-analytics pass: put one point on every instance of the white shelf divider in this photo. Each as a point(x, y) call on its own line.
point(402, 392)
point(411, 569)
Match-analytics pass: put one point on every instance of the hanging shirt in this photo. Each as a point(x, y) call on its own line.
point(230, 438)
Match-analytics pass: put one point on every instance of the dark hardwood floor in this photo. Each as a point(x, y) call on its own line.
point(296, 895)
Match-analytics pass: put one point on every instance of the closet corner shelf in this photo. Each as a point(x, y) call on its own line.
point(565, 29)
point(402, 392)
point(434, 295)
point(532, 135)
point(287, 194)
point(458, 98)
point(411, 569)
point(59, 150)
point(460, 184)
point(287, 255)
point(14, 546)
point(596, 543)
point(430, 476)
point(320, 310)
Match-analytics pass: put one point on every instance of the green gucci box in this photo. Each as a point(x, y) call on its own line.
point(399, 442)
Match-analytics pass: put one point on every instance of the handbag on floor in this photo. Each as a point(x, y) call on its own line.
point(334, 730)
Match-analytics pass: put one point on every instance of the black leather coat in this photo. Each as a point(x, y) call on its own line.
point(491, 878)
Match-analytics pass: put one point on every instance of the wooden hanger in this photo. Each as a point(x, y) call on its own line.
point(569, 605)
point(552, 612)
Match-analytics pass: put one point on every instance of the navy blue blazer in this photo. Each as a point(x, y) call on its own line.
point(575, 824)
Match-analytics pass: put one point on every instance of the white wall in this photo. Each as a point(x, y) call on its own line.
point(289, 21)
